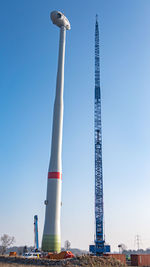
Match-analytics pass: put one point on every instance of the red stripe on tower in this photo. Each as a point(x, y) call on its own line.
point(54, 175)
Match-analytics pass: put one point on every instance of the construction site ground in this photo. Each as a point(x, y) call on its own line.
point(85, 260)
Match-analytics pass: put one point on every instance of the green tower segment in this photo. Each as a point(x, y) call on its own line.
point(51, 243)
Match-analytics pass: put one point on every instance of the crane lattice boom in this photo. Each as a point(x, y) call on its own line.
point(99, 242)
point(99, 248)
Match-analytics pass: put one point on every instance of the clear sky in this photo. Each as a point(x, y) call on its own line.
point(28, 66)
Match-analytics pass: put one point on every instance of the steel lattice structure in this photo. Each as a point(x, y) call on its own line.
point(99, 241)
point(99, 247)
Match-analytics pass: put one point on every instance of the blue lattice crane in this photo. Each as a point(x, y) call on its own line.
point(99, 248)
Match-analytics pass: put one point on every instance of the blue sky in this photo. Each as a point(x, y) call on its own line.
point(28, 66)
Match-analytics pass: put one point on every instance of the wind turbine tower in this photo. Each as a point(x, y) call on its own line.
point(51, 241)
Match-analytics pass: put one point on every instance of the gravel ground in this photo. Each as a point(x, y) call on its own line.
point(87, 260)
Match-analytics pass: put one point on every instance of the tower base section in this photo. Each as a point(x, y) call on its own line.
point(51, 243)
point(99, 248)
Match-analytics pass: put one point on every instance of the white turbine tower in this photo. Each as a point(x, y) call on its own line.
point(51, 236)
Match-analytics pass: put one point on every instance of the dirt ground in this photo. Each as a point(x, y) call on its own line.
point(88, 261)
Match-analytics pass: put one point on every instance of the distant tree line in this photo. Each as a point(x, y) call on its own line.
point(7, 241)
point(140, 251)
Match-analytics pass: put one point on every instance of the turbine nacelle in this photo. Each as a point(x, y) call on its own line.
point(60, 20)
